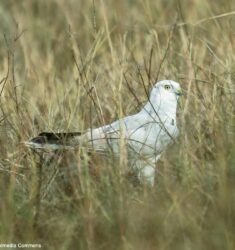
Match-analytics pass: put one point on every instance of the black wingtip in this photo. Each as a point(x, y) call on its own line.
point(48, 137)
point(39, 139)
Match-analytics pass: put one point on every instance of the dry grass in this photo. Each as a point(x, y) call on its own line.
point(69, 65)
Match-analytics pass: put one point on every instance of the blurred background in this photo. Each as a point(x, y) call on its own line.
point(70, 65)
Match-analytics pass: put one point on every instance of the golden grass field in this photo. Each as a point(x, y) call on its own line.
point(70, 65)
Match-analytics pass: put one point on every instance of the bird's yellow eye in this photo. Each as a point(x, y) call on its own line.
point(167, 87)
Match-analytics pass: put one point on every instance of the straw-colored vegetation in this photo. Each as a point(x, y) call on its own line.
point(70, 65)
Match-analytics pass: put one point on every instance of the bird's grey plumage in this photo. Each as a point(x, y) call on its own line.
point(146, 134)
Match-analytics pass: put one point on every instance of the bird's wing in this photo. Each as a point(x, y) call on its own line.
point(108, 136)
point(142, 135)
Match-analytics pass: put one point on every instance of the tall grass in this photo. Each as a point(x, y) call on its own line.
point(70, 65)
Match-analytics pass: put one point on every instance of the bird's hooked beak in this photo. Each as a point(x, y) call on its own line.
point(179, 92)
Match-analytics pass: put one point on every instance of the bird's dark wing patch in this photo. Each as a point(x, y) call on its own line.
point(48, 137)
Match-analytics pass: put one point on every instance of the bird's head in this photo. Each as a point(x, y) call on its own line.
point(166, 90)
point(163, 97)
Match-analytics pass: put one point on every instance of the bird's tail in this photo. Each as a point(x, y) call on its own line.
point(54, 141)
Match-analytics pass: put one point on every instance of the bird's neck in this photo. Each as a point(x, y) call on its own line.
point(165, 110)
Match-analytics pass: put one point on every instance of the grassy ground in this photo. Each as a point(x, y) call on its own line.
point(69, 65)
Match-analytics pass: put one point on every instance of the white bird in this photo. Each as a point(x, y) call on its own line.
point(146, 134)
